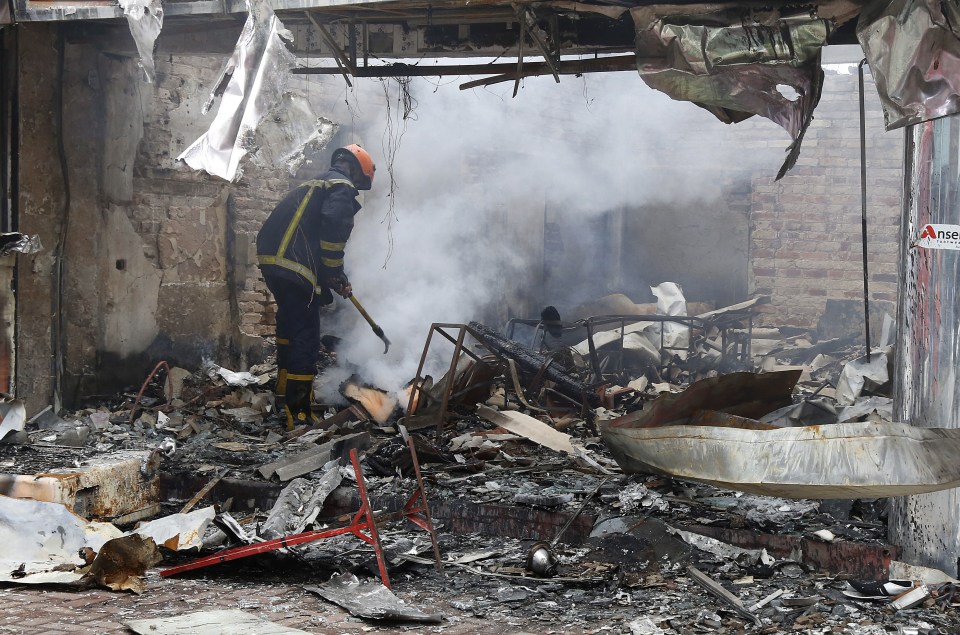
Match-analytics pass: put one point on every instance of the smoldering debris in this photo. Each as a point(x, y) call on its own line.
point(535, 520)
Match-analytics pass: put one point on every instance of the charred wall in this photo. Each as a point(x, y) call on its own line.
point(8, 133)
point(156, 262)
point(40, 209)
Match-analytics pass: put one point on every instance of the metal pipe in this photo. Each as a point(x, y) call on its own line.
point(863, 209)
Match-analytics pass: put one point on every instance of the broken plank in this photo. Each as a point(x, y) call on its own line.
point(528, 428)
point(203, 492)
point(227, 622)
point(315, 458)
point(721, 594)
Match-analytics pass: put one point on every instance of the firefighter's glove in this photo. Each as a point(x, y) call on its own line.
point(340, 285)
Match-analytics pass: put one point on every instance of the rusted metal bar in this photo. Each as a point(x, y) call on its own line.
point(475, 358)
point(418, 504)
point(519, 74)
point(417, 391)
point(338, 54)
point(501, 71)
point(567, 67)
point(451, 375)
point(527, 15)
point(203, 492)
point(143, 388)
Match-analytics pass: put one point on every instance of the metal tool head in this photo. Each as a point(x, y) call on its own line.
point(386, 343)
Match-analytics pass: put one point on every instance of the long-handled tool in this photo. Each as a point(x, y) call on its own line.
point(376, 329)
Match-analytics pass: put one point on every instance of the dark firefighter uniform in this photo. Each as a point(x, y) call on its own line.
point(300, 252)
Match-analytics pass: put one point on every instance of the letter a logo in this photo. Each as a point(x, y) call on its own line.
point(928, 233)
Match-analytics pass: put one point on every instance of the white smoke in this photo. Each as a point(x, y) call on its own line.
point(472, 165)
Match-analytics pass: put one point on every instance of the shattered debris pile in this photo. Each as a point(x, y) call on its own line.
point(544, 492)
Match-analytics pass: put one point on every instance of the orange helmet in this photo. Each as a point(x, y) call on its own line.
point(362, 159)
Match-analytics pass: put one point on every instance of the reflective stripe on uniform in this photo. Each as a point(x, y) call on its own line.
point(293, 265)
point(294, 223)
point(282, 341)
point(299, 377)
point(296, 267)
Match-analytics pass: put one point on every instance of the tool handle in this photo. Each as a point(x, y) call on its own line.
point(364, 313)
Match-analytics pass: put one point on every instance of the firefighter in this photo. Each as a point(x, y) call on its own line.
point(300, 253)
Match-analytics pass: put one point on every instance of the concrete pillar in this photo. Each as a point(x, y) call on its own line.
point(928, 355)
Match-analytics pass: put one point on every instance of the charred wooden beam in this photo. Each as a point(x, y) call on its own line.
point(534, 362)
point(506, 70)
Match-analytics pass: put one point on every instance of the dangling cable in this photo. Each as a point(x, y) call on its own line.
point(863, 209)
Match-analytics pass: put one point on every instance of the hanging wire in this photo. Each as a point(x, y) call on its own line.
point(394, 129)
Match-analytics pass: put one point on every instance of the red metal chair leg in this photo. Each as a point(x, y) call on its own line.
point(363, 521)
point(374, 537)
point(363, 526)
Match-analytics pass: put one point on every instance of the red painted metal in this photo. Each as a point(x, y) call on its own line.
point(363, 526)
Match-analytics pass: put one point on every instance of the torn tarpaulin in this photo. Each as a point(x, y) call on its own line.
point(39, 542)
point(913, 47)
point(145, 18)
point(734, 66)
point(253, 85)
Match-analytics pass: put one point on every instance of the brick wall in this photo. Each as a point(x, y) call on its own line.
point(168, 194)
point(806, 229)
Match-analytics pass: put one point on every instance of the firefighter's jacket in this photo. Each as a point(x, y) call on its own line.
point(305, 235)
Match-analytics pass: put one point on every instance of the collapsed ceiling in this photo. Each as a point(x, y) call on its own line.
point(735, 59)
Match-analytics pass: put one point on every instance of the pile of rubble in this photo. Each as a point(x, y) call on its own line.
point(604, 472)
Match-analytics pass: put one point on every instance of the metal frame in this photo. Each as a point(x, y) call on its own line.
point(734, 348)
point(363, 526)
point(418, 394)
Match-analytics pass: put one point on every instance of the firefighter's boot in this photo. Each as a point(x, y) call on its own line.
point(298, 398)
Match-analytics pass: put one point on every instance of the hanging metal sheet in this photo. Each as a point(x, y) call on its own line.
point(737, 66)
point(844, 460)
point(253, 82)
point(913, 47)
point(145, 18)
